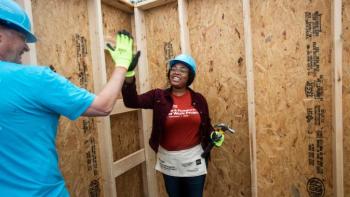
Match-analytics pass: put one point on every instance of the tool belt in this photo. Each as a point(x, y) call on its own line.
point(183, 163)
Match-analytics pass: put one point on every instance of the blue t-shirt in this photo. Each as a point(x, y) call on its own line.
point(32, 98)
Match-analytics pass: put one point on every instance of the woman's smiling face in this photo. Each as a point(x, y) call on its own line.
point(178, 75)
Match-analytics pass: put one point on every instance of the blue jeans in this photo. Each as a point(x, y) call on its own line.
point(184, 186)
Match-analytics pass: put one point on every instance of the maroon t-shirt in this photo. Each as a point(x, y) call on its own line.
point(181, 125)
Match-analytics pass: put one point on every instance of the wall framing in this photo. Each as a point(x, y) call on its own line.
point(144, 156)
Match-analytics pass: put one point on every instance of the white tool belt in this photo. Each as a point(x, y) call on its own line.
point(183, 163)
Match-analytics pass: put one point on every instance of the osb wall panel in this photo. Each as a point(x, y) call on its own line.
point(346, 94)
point(292, 70)
point(114, 20)
point(130, 183)
point(217, 44)
point(62, 29)
point(125, 134)
point(126, 140)
point(163, 41)
point(160, 184)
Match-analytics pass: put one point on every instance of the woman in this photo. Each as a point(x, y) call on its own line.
point(181, 127)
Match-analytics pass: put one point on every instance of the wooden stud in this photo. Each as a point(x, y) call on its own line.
point(100, 79)
point(184, 34)
point(145, 5)
point(120, 4)
point(139, 114)
point(128, 162)
point(338, 164)
point(250, 93)
point(145, 116)
point(127, 2)
point(119, 108)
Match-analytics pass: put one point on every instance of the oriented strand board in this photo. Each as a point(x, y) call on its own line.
point(125, 141)
point(346, 94)
point(125, 134)
point(217, 44)
point(130, 183)
point(160, 184)
point(163, 41)
point(293, 85)
point(63, 42)
point(114, 20)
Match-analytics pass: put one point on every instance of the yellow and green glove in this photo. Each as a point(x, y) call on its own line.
point(217, 138)
point(133, 64)
point(122, 54)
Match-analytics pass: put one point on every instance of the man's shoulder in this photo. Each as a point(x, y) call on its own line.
point(22, 67)
point(29, 73)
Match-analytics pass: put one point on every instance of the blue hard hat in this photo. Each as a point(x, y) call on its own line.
point(14, 17)
point(186, 60)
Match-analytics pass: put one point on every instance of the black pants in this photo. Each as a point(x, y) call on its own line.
point(184, 186)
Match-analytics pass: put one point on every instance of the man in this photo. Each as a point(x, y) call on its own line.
point(32, 98)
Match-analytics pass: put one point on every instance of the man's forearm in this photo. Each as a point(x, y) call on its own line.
point(105, 100)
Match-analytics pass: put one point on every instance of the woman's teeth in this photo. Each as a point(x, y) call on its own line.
point(176, 79)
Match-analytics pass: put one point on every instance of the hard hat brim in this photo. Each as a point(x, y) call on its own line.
point(30, 37)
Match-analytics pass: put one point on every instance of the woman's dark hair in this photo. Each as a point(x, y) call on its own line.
point(190, 77)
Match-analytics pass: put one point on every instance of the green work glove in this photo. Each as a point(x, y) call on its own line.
point(122, 54)
point(133, 64)
point(217, 138)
